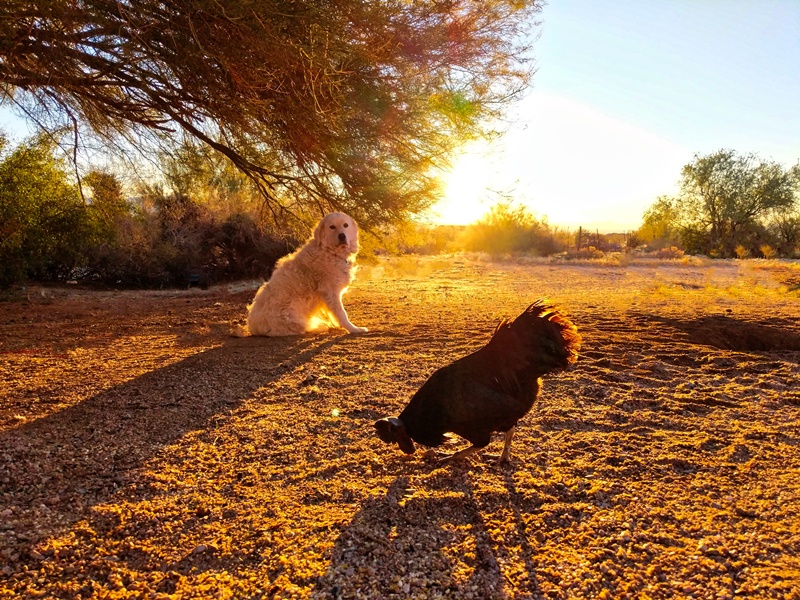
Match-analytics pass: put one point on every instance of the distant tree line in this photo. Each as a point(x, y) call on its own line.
point(206, 222)
point(729, 205)
point(204, 225)
point(505, 230)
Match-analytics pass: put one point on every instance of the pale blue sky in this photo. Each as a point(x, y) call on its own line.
point(700, 73)
point(626, 93)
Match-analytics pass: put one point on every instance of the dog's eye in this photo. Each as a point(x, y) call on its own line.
point(333, 226)
point(345, 224)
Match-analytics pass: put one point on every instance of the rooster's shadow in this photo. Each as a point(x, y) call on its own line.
point(432, 533)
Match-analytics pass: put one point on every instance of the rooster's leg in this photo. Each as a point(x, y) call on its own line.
point(503, 458)
point(506, 454)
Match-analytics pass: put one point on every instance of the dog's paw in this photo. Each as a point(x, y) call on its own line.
point(238, 331)
point(359, 330)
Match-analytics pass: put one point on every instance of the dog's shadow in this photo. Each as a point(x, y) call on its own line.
point(78, 457)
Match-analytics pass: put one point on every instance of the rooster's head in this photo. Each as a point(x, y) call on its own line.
point(392, 430)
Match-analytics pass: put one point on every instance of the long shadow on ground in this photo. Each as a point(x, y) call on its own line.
point(433, 539)
point(82, 454)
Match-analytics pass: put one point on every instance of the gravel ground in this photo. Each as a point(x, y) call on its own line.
point(146, 453)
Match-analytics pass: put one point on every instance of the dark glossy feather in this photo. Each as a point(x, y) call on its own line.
point(492, 388)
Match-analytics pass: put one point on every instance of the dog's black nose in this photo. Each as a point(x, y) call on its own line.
point(342, 237)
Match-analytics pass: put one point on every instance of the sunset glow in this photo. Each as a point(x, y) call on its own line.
point(567, 162)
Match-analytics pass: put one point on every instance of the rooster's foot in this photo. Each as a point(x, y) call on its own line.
point(499, 459)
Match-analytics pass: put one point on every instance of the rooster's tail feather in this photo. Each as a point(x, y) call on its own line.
point(542, 318)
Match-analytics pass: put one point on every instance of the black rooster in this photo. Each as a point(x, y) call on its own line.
point(490, 389)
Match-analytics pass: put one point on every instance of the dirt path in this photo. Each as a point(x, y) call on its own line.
point(145, 453)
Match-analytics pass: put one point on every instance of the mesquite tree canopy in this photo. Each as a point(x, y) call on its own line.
point(346, 104)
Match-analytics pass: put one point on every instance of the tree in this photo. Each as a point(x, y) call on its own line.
point(108, 203)
point(785, 227)
point(507, 228)
point(212, 181)
point(346, 104)
point(660, 224)
point(784, 222)
point(44, 225)
point(725, 199)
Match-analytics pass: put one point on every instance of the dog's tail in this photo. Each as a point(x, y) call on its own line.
point(239, 331)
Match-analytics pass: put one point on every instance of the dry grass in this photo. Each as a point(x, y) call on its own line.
point(144, 453)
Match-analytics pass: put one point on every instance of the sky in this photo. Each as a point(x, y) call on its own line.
point(626, 93)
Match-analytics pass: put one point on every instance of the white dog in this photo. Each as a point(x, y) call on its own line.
point(305, 292)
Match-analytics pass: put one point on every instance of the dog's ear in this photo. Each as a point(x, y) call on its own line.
point(318, 230)
point(353, 236)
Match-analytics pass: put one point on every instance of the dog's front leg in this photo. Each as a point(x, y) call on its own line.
point(336, 308)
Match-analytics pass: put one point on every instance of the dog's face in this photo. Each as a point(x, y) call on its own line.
point(339, 232)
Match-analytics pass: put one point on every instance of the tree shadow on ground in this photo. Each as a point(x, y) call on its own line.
point(78, 457)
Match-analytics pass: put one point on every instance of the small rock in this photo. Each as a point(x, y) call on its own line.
point(745, 512)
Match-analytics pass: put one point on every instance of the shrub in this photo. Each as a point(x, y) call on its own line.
point(588, 253)
point(161, 239)
point(183, 245)
point(673, 252)
point(507, 230)
point(44, 225)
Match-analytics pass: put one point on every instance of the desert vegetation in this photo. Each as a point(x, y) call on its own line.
point(201, 218)
point(145, 452)
point(730, 205)
point(206, 222)
point(202, 228)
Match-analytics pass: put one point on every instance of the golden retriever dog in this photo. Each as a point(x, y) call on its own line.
point(304, 294)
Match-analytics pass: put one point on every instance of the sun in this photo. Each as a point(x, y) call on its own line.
point(467, 190)
point(564, 162)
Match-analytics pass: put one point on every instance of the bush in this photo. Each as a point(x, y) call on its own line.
point(507, 230)
point(671, 253)
point(767, 251)
point(48, 233)
point(44, 226)
point(182, 243)
point(588, 253)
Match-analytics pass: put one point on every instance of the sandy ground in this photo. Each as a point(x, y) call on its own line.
point(145, 453)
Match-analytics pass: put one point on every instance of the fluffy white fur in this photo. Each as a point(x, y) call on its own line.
point(305, 291)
